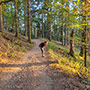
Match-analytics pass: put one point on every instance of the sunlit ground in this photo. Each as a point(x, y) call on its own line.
point(70, 65)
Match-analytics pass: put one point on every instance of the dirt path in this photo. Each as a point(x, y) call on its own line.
point(34, 72)
point(30, 73)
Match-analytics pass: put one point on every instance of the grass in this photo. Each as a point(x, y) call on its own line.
point(13, 50)
point(55, 47)
point(67, 63)
point(11, 47)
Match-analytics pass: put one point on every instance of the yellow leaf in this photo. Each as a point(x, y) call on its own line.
point(78, 1)
point(83, 3)
point(89, 1)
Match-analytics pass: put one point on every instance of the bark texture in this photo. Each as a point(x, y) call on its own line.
point(25, 18)
point(1, 19)
point(72, 43)
point(29, 21)
point(16, 19)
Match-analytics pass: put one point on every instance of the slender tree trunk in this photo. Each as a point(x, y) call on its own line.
point(35, 32)
point(49, 21)
point(12, 30)
point(49, 30)
point(82, 39)
point(1, 20)
point(42, 27)
point(13, 26)
point(55, 32)
point(85, 34)
point(62, 34)
point(85, 46)
point(49, 27)
point(67, 24)
point(67, 36)
point(55, 28)
point(65, 43)
point(25, 18)
point(16, 19)
point(81, 51)
point(29, 21)
point(45, 29)
point(72, 43)
point(82, 46)
point(65, 31)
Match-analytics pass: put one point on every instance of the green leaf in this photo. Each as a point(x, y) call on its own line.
point(87, 86)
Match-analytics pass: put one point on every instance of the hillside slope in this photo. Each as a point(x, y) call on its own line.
point(74, 67)
point(11, 48)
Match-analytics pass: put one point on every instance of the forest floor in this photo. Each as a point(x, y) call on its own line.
point(33, 72)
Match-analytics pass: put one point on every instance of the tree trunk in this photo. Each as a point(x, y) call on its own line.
point(81, 51)
point(25, 18)
point(85, 34)
point(68, 41)
point(16, 20)
point(49, 21)
point(85, 46)
point(49, 27)
point(1, 20)
point(35, 32)
point(82, 46)
point(12, 30)
point(65, 43)
point(72, 43)
point(42, 27)
point(49, 31)
point(29, 21)
point(67, 24)
point(62, 34)
point(85, 56)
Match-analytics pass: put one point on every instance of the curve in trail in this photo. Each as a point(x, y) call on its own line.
point(32, 73)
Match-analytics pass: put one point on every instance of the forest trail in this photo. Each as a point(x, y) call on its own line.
point(34, 72)
point(30, 73)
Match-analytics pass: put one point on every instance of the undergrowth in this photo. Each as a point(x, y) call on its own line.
point(67, 63)
point(12, 47)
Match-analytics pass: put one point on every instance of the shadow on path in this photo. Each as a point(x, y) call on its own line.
point(28, 64)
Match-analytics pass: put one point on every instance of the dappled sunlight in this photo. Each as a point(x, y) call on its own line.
point(79, 57)
point(69, 65)
point(6, 66)
point(3, 60)
point(9, 69)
